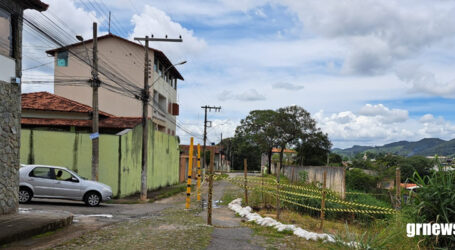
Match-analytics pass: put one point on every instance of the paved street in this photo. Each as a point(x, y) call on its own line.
point(157, 224)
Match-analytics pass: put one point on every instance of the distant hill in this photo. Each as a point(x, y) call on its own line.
point(425, 147)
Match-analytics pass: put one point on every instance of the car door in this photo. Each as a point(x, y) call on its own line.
point(42, 180)
point(67, 186)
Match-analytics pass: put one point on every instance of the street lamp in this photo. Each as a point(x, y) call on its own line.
point(166, 70)
point(81, 39)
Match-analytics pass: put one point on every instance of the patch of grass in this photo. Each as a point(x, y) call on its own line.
point(158, 194)
point(46, 234)
point(230, 195)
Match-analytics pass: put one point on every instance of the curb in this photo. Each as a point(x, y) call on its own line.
point(33, 229)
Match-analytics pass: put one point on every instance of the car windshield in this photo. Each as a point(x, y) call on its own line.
point(77, 175)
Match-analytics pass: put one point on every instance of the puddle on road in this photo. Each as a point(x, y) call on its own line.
point(215, 204)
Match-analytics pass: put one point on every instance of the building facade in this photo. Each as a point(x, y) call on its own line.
point(126, 60)
point(11, 13)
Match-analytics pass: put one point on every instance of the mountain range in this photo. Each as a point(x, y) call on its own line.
point(425, 147)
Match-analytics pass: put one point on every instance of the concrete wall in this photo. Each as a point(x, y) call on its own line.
point(120, 157)
point(335, 176)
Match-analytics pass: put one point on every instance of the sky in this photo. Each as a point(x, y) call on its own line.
point(369, 72)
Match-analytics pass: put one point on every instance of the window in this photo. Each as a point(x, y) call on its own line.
point(6, 34)
point(62, 58)
point(155, 65)
point(42, 172)
point(63, 175)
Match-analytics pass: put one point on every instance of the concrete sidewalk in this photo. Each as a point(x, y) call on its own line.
point(27, 223)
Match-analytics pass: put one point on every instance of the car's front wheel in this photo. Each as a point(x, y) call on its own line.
point(25, 195)
point(92, 199)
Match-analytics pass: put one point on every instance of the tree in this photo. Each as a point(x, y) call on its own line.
point(259, 126)
point(412, 164)
point(294, 125)
point(313, 150)
point(243, 147)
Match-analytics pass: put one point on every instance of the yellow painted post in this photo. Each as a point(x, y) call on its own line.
point(198, 172)
point(190, 170)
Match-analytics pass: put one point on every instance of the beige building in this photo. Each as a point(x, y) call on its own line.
point(121, 62)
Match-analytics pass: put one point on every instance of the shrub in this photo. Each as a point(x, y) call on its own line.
point(358, 180)
point(435, 203)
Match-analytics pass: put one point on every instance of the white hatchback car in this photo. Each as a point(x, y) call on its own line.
point(59, 183)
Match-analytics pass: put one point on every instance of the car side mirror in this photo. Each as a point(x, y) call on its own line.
point(74, 179)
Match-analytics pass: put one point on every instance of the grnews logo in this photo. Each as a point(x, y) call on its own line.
point(413, 229)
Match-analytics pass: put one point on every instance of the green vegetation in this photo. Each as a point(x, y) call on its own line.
point(424, 147)
point(356, 179)
point(288, 127)
point(435, 202)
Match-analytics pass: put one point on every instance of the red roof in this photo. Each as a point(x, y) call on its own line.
point(186, 148)
point(159, 53)
point(278, 150)
point(109, 122)
point(408, 185)
point(50, 102)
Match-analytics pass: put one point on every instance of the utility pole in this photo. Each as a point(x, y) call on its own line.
point(145, 100)
point(209, 108)
point(220, 163)
point(95, 114)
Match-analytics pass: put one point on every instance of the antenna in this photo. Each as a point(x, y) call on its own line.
point(109, 29)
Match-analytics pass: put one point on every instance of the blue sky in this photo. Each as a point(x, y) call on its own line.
point(370, 72)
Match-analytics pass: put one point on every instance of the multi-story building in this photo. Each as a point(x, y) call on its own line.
point(11, 22)
point(121, 62)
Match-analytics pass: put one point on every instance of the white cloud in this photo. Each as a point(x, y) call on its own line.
point(287, 86)
point(384, 114)
point(425, 82)
point(378, 33)
point(246, 96)
point(370, 126)
point(157, 22)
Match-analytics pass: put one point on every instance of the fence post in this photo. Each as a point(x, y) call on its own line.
point(190, 174)
point(262, 185)
point(277, 170)
point(209, 205)
point(398, 188)
point(292, 176)
point(324, 184)
point(245, 170)
point(198, 172)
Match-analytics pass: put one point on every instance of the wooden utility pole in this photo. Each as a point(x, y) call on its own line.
point(324, 185)
point(220, 163)
point(209, 108)
point(245, 170)
point(209, 205)
point(398, 188)
point(278, 211)
point(145, 101)
point(95, 114)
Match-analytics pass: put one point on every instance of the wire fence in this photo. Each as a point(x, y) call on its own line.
point(307, 197)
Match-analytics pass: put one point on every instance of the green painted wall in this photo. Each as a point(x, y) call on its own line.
point(120, 156)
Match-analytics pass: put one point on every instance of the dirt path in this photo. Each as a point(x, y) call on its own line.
point(228, 233)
